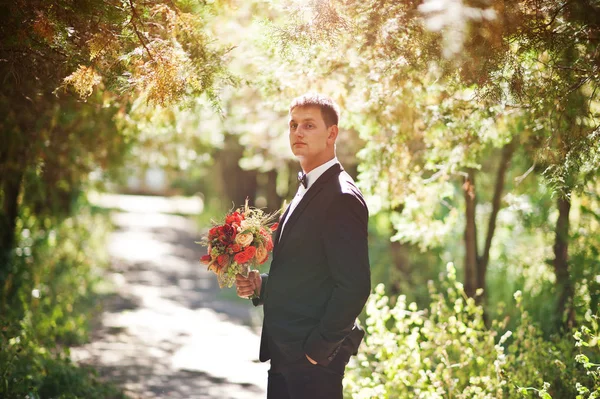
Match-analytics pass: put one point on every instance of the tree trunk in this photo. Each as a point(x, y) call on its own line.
point(273, 198)
point(482, 263)
point(470, 234)
point(561, 265)
point(401, 264)
point(237, 183)
point(11, 188)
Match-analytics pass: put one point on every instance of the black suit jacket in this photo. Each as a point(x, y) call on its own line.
point(319, 279)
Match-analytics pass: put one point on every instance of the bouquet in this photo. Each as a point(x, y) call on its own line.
point(239, 244)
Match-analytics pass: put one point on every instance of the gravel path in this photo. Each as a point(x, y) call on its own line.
point(168, 332)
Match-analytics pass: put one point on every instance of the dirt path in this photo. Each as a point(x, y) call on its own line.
point(168, 333)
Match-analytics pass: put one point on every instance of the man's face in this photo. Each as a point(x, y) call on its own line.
point(310, 139)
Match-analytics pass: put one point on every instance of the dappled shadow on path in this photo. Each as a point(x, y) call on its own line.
point(165, 333)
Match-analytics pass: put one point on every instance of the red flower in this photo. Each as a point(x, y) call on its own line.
point(212, 233)
point(235, 217)
point(205, 259)
point(241, 258)
point(246, 255)
point(274, 226)
point(267, 239)
point(250, 252)
point(229, 232)
point(226, 234)
point(234, 248)
point(269, 243)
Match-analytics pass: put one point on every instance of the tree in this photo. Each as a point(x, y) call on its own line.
point(446, 82)
point(107, 53)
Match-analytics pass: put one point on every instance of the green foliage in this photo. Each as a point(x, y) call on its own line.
point(539, 365)
point(47, 305)
point(446, 351)
point(587, 339)
point(28, 370)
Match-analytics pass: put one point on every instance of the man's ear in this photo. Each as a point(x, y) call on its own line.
point(333, 132)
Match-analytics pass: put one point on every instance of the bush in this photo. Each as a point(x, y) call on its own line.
point(446, 351)
point(587, 339)
point(47, 304)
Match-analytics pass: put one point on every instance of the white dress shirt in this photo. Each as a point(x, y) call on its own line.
point(311, 178)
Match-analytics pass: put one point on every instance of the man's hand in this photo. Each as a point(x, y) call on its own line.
point(310, 359)
point(246, 286)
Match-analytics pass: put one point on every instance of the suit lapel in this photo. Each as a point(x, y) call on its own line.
point(308, 196)
point(278, 230)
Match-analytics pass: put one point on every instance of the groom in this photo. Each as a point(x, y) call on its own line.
point(319, 279)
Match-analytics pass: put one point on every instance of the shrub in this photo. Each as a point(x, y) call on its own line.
point(46, 306)
point(446, 351)
point(587, 340)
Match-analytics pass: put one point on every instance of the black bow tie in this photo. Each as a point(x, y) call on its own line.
point(302, 179)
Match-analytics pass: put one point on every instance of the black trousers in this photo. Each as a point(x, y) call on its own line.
point(304, 380)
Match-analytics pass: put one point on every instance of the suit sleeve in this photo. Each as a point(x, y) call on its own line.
point(261, 296)
point(346, 248)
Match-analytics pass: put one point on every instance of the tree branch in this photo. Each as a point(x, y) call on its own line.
point(134, 15)
point(482, 263)
point(519, 179)
point(556, 14)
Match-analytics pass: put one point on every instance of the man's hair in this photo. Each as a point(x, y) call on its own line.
point(329, 109)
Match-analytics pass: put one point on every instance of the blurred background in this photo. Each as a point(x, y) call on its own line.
point(471, 126)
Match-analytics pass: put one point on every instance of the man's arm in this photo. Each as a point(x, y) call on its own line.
point(346, 246)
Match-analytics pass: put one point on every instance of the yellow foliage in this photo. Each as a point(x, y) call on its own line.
point(83, 80)
point(163, 76)
point(168, 14)
point(102, 44)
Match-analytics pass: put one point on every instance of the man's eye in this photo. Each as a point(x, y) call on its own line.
point(310, 125)
point(293, 126)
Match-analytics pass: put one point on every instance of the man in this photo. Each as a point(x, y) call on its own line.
point(319, 279)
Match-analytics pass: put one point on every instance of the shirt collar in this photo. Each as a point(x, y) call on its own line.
point(314, 174)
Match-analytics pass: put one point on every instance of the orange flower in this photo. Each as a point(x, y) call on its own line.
point(262, 254)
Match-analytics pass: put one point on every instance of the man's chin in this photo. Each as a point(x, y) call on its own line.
point(299, 154)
